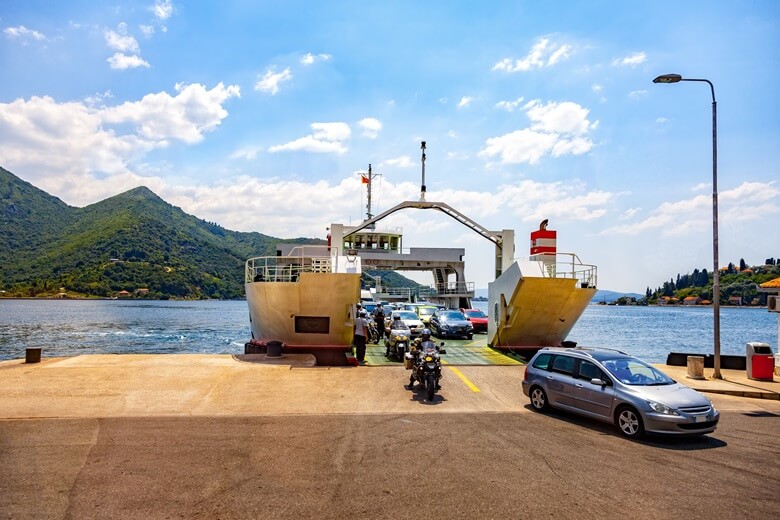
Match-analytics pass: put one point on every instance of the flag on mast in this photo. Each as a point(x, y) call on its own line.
point(364, 179)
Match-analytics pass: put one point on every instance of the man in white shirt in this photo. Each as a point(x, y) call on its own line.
point(361, 330)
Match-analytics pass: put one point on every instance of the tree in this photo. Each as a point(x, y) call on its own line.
point(742, 264)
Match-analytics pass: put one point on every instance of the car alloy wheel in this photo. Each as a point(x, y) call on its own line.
point(538, 399)
point(629, 422)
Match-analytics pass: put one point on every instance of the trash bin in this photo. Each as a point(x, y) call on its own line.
point(695, 367)
point(759, 361)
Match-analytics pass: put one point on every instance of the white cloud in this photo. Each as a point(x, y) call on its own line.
point(402, 162)
point(465, 101)
point(162, 9)
point(121, 61)
point(632, 60)
point(630, 212)
point(23, 34)
point(453, 134)
point(370, 126)
point(637, 94)
point(147, 30)
point(248, 153)
point(89, 151)
point(520, 146)
point(565, 117)
point(694, 215)
point(597, 88)
point(325, 138)
point(120, 41)
point(309, 58)
point(271, 80)
point(510, 106)
point(702, 186)
point(184, 117)
point(557, 129)
point(661, 120)
point(97, 99)
point(542, 54)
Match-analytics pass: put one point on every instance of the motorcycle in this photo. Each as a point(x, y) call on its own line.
point(373, 333)
point(424, 360)
point(397, 343)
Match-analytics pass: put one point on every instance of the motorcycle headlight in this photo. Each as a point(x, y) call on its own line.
point(662, 408)
point(428, 359)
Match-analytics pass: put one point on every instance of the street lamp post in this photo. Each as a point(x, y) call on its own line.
point(674, 78)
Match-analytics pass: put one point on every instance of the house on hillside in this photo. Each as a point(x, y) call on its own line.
point(692, 300)
point(735, 300)
point(123, 294)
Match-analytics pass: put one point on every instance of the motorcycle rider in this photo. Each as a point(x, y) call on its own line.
point(396, 327)
point(379, 319)
point(424, 343)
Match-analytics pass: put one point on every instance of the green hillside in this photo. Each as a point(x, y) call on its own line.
point(134, 240)
point(130, 241)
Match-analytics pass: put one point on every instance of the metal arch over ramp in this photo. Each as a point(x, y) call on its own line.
point(504, 240)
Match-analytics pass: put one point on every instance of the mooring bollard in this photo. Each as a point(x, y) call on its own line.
point(32, 355)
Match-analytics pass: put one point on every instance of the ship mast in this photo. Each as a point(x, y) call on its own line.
point(422, 186)
point(369, 181)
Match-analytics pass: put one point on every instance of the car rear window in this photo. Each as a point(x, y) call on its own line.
point(563, 364)
point(542, 362)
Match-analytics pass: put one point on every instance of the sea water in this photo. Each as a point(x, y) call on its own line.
point(72, 327)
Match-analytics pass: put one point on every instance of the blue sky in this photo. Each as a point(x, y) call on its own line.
point(260, 116)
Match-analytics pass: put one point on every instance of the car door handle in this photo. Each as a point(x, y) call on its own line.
point(579, 385)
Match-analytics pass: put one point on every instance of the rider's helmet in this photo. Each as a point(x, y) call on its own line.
point(425, 334)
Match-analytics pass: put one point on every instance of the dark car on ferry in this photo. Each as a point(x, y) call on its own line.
point(477, 318)
point(611, 386)
point(450, 323)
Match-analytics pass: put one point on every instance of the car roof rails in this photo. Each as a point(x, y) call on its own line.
point(601, 348)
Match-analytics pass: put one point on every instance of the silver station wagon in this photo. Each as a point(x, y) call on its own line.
point(614, 387)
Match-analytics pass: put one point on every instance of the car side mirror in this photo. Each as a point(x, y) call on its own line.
point(598, 381)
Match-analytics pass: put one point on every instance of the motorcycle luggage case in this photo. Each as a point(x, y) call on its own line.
point(408, 361)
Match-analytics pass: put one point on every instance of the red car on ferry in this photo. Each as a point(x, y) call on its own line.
point(477, 318)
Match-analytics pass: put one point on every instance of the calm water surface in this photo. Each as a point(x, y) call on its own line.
point(72, 327)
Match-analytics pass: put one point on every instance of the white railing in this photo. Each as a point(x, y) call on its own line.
point(396, 292)
point(302, 259)
point(448, 288)
point(553, 266)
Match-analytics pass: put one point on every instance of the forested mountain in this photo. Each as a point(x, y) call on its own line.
point(131, 241)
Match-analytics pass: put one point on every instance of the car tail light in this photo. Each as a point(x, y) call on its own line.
point(525, 373)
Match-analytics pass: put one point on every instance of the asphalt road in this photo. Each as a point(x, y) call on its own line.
point(472, 454)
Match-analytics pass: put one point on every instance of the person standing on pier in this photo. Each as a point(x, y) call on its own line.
point(361, 329)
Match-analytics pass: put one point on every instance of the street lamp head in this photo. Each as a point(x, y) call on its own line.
point(668, 78)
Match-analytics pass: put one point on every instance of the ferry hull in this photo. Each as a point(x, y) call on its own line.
point(529, 312)
point(313, 311)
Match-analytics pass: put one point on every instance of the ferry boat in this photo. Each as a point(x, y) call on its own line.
point(305, 298)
